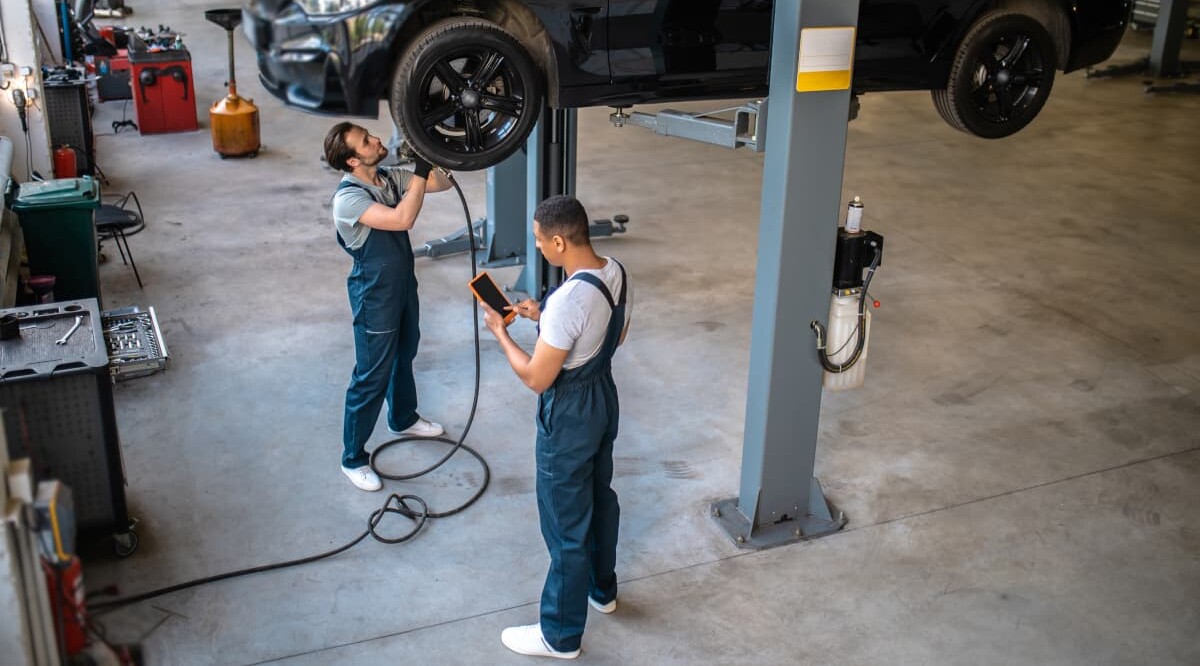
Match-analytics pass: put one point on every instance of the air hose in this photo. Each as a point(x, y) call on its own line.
point(860, 329)
point(411, 507)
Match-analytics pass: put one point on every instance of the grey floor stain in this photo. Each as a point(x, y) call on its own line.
point(1141, 515)
point(679, 469)
point(853, 428)
point(948, 399)
point(626, 466)
point(513, 485)
point(1130, 439)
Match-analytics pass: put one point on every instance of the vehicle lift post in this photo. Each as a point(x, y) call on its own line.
point(550, 170)
point(780, 501)
point(1165, 46)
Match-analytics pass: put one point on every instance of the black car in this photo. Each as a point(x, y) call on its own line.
point(466, 79)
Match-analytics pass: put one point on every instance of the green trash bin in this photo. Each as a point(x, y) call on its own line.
point(58, 220)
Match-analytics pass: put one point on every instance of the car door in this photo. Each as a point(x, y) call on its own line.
point(690, 48)
point(713, 48)
point(899, 39)
point(577, 31)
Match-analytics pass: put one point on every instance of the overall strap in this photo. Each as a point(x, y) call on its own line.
point(345, 184)
point(390, 185)
point(595, 281)
point(341, 186)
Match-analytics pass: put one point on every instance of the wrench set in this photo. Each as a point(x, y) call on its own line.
point(127, 340)
point(135, 342)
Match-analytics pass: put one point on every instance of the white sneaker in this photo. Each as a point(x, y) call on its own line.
point(363, 478)
point(603, 608)
point(421, 428)
point(528, 640)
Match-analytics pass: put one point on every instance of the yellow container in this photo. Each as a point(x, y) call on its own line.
point(234, 122)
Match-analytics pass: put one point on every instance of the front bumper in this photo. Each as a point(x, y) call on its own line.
point(338, 64)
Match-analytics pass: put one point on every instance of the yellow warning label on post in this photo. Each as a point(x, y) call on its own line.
point(826, 59)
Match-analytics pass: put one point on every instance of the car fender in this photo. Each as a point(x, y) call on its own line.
point(1059, 16)
point(412, 18)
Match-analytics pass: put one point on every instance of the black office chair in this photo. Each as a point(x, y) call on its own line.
point(118, 221)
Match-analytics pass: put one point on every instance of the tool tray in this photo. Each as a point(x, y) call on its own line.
point(134, 341)
point(35, 354)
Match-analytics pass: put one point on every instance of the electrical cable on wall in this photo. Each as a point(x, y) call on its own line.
point(411, 507)
point(3, 43)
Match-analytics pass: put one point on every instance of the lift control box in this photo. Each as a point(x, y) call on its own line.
point(855, 252)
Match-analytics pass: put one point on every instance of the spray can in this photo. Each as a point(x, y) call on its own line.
point(854, 214)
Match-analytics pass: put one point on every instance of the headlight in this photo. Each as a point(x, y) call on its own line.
point(320, 7)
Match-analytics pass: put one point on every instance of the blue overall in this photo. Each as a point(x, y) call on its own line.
point(383, 298)
point(576, 426)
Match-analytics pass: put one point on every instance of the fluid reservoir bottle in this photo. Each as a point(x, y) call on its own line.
point(842, 337)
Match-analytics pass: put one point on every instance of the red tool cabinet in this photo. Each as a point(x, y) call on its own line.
point(163, 94)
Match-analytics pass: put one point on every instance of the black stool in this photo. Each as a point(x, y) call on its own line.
point(117, 221)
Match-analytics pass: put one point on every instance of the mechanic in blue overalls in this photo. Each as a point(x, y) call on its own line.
point(580, 325)
point(373, 209)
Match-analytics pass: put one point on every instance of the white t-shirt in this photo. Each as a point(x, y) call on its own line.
point(576, 314)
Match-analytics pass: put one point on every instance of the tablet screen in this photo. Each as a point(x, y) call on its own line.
point(487, 290)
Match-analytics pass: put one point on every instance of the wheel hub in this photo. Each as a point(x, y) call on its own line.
point(469, 99)
point(1003, 77)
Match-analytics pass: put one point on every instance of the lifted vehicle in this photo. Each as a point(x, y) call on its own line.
point(466, 79)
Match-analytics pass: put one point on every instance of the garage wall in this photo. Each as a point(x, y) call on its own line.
point(22, 48)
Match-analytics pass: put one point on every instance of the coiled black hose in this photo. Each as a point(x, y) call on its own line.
point(410, 506)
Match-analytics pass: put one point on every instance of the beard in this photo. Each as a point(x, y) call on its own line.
point(383, 152)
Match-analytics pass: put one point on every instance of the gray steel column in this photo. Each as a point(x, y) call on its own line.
point(550, 151)
point(779, 500)
point(1168, 37)
point(507, 215)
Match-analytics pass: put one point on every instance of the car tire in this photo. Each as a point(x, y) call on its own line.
point(447, 113)
point(989, 96)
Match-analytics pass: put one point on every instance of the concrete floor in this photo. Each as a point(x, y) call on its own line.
point(1021, 472)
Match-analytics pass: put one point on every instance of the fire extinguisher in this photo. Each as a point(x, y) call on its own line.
point(68, 603)
point(64, 162)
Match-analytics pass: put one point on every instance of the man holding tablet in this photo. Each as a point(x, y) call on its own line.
point(580, 326)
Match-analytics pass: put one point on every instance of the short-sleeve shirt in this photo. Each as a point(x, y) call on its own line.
point(349, 203)
point(576, 314)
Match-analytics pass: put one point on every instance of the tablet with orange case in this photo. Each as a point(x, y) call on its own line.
point(485, 289)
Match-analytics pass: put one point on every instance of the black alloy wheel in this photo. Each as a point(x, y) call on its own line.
point(466, 94)
point(1001, 76)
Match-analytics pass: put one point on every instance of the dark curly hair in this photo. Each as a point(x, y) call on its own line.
point(563, 215)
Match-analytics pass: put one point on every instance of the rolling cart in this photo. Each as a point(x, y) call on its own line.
point(57, 397)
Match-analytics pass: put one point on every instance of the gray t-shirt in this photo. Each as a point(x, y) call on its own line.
point(349, 203)
point(576, 315)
